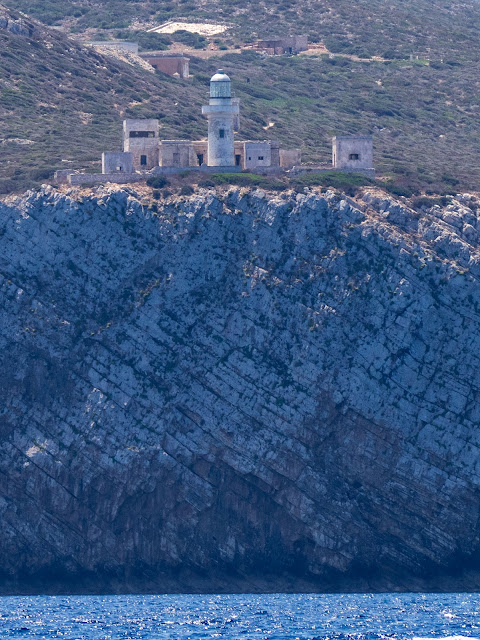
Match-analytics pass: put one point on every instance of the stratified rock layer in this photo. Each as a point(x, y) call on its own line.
point(243, 391)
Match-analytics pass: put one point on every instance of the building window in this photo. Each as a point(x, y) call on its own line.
point(119, 168)
point(143, 160)
point(221, 133)
point(354, 156)
point(142, 134)
point(249, 157)
point(238, 160)
point(260, 157)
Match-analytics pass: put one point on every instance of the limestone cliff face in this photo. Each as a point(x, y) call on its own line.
point(243, 391)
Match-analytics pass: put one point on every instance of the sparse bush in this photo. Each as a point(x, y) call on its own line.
point(422, 202)
point(206, 183)
point(190, 39)
point(157, 182)
point(398, 190)
point(240, 179)
point(347, 182)
point(186, 190)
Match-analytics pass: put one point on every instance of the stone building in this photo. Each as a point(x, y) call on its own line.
point(177, 153)
point(352, 152)
point(140, 137)
point(169, 63)
point(220, 149)
point(283, 45)
point(143, 151)
point(117, 162)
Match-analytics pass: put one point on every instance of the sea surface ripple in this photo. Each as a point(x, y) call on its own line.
point(234, 617)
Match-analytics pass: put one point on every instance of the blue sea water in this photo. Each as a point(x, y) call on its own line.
point(234, 617)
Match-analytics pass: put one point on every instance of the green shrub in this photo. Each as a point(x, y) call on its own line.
point(273, 184)
point(398, 190)
point(348, 182)
point(426, 202)
point(239, 179)
point(206, 183)
point(186, 190)
point(157, 182)
point(190, 39)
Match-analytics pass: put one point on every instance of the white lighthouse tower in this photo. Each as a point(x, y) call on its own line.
point(221, 112)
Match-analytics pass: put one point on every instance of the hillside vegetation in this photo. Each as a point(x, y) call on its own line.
point(367, 27)
point(62, 104)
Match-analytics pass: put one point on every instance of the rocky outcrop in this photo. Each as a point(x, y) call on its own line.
point(242, 391)
point(18, 26)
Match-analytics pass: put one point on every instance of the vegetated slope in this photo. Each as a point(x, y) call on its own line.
point(61, 105)
point(371, 27)
point(245, 391)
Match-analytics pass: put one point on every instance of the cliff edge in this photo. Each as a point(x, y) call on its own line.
point(242, 391)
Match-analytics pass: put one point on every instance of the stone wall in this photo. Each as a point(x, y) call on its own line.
point(177, 153)
point(169, 64)
point(140, 137)
point(282, 45)
point(290, 158)
point(256, 154)
point(101, 178)
point(352, 152)
point(117, 162)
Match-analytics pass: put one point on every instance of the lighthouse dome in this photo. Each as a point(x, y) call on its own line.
point(220, 85)
point(220, 76)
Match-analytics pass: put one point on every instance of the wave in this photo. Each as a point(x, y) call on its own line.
point(446, 638)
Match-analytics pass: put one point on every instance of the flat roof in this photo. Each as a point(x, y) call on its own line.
point(161, 54)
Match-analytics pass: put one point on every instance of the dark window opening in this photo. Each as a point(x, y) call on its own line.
point(200, 158)
point(354, 156)
point(221, 133)
point(249, 157)
point(238, 160)
point(142, 134)
point(119, 168)
point(260, 157)
point(143, 160)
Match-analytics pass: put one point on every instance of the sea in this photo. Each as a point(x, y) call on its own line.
point(235, 617)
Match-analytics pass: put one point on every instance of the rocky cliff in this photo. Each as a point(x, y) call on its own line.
point(241, 391)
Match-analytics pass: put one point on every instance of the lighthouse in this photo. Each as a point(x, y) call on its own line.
point(221, 113)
